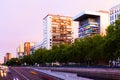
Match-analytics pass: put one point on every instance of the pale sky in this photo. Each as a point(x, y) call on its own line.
point(22, 20)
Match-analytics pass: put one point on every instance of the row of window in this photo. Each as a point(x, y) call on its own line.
point(114, 17)
point(115, 10)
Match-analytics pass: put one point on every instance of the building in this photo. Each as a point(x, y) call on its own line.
point(7, 57)
point(24, 49)
point(114, 12)
point(37, 46)
point(20, 51)
point(57, 30)
point(27, 47)
point(91, 22)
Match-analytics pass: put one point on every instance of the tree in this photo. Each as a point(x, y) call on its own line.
point(112, 42)
point(28, 59)
point(13, 62)
point(39, 56)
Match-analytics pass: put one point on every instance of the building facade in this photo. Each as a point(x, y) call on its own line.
point(24, 49)
point(91, 23)
point(57, 30)
point(114, 12)
point(20, 51)
point(37, 46)
point(5, 60)
point(27, 48)
point(7, 57)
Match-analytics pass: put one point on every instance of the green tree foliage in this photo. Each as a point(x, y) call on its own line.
point(28, 59)
point(13, 62)
point(39, 56)
point(112, 41)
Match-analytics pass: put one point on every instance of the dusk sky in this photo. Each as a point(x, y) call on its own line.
point(22, 20)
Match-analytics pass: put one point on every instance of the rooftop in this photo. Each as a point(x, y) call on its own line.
point(56, 16)
point(116, 6)
point(86, 14)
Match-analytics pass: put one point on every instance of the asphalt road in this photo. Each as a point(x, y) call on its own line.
point(24, 73)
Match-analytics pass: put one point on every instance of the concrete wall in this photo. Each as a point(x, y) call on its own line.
point(104, 22)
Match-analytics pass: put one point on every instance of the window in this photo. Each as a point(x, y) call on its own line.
point(110, 18)
point(115, 16)
point(69, 32)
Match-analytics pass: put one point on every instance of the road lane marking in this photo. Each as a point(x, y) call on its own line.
point(15, 79)
point(21, 74)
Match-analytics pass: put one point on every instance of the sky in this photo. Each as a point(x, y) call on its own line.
point(22, 20)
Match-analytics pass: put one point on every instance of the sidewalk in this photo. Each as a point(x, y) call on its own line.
point(100, 73)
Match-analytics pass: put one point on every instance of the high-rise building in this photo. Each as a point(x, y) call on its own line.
point(24, 49)
point(91, 22)
point(20, 51)
point(7, 57)
point(57, 29)
point(114, 12)
point(27, 48)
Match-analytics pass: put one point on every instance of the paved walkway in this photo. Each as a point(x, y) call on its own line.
point(100, 73)
point(62, 75)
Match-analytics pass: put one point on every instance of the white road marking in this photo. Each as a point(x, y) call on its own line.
point(21, 74)
point(15, 79)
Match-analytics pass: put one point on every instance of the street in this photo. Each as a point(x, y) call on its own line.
point(24, 73)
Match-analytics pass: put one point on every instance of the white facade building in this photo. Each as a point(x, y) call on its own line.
point(20, 51)
point(92, 22)
point(57, 29)
point(114, 12)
